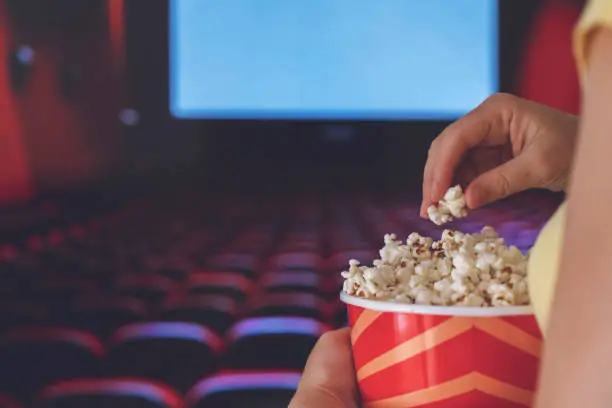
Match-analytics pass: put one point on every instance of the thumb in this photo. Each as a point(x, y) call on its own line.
point(512, 177)
point(328, 380)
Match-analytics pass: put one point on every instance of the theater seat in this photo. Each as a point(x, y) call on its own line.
point(288, 304)
point(295, 260)
point(58, 287)
point(151, 288)
point(232, 284)
point(264, 389)
point(300, 245)
point(288, 281)
point(33, 357)
point(108, 393)
point(16, 313)
point(176, 353)
point(215, 311)
point(272, 342)
point(102, 314)
point(246, 263)
point(58, 293)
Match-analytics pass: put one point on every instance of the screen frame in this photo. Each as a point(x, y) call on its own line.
point(279, 142)
point(150, 22)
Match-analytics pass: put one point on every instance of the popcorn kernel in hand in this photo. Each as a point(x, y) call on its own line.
point(451, 206)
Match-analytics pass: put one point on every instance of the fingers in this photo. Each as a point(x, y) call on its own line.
point(488, 124)
point(328, 380)
point(510, 178)
point(435, 183)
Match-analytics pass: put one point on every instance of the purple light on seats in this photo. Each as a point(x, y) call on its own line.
point(248, 381)
point(169, 330)
point(308, 257)
point(77, 337)
point(276, 325)
point(292, 278)
point(236, 260)
point(118, 387)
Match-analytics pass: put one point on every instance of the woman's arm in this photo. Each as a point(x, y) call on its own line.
point(577, 365)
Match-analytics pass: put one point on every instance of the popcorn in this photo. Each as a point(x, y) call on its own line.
point(452, 205)
point(476, 270)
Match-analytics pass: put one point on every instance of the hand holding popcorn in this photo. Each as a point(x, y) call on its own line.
point(504, 146)
point(451, 206)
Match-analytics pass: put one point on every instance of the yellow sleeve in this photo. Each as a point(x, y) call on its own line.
point(597, 14)
point(546, 253)
point(544, 266)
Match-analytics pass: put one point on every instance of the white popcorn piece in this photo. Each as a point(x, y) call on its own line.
point(476, 270)
point(450, 207)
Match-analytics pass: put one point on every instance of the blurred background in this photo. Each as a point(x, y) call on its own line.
point(181, 181)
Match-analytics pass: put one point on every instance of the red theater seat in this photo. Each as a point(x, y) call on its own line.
point(215, 311)
point(34, 357)
point(262, 389)
point(247, 263)
point(18, 313)
point(103, 314)
point(232, 284)
point(150, 288)
point(300, 245)
point(295, 260)
point(288, 304)
point(176, 273)
point(293, 281)
point(272, 342)
point(62, 287)
point(109, 393)
point(176, 353)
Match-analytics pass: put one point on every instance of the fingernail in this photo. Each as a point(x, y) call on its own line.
point(436, 192)
point(423, 210)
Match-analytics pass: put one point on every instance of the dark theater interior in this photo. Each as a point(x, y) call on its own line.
point(182, 181)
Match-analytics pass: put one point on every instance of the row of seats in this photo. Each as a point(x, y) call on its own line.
point(175, 353)
point(319, 228)
point(164, 304)
point(235, 389)
point(164, 282)
point(217, 307)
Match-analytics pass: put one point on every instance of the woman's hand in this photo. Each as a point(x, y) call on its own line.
point(504, 146)
point(329, 377)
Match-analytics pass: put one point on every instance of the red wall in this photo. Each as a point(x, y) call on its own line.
point(15, 177)
point(548, 73)
point(57, 142)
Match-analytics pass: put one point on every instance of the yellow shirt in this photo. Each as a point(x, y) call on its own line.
point(544, 260)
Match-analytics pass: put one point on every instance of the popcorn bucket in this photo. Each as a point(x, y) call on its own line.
point(443, 357)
